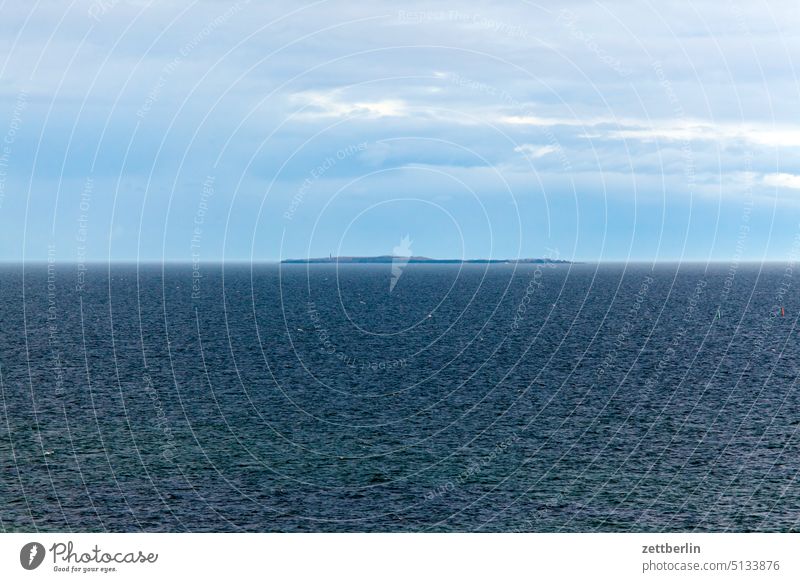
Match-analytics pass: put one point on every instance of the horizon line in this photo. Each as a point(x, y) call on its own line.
point(312, 261)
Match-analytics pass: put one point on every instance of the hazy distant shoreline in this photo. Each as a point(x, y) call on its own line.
point(388, 259)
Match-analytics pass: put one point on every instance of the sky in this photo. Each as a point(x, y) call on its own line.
point(211, 130)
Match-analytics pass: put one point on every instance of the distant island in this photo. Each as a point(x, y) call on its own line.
point(388, 259)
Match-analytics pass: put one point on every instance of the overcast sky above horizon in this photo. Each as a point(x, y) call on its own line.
point(237, 130)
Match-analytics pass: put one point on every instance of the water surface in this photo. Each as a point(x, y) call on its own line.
point(469, 398)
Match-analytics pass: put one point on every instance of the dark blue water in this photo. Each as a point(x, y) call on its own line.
point(541, 398)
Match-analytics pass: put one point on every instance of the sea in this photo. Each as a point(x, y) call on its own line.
point(399, 398)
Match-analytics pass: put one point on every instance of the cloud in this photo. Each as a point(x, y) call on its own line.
point(534, 151)
point(472, 90)
point(666, 129)
point(782, 180)
point(694, 130)
point(331, 105)
point(535, 121)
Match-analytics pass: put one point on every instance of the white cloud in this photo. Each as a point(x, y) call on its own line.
point(783, 181)
point(534, 151)
point(536, 121)
point(693, 130)
point(331, 105)
point(667, 129)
